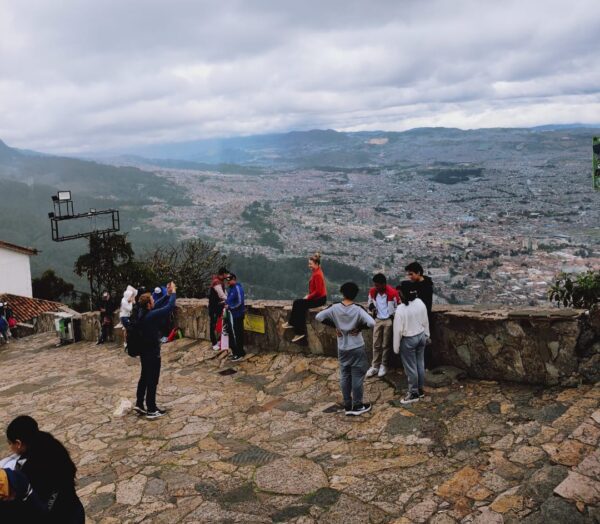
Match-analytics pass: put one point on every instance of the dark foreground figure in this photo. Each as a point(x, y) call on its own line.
point(42, 482)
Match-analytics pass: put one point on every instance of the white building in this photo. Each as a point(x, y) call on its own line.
point(15, 269)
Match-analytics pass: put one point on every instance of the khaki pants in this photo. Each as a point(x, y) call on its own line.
point(382, 342)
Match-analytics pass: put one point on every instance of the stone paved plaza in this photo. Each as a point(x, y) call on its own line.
point(268, 444)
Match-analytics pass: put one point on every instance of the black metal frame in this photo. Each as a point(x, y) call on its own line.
point(63, 210)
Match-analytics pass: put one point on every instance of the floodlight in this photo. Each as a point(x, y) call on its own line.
point(64, 195)
point(92, 210)
point(50, 215)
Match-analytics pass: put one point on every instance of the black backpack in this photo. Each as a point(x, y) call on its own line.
point(136, 342)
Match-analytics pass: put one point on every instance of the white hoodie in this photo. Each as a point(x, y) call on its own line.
point(410, 320)
point(126, 302)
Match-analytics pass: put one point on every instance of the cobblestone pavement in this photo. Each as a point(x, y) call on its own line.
point(265, 444)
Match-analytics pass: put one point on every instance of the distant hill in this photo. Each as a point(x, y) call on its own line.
point(28, 180)
point(322, 148)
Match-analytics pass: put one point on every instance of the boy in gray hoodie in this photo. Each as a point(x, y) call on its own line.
point(349, 318)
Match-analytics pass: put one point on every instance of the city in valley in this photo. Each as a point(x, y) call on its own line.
point(488, 227)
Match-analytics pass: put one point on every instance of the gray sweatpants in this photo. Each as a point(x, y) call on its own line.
point(353, 368)
point(412, 351)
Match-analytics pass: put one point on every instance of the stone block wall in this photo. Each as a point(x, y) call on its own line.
point(535, 346)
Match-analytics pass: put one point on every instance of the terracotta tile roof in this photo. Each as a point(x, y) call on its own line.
point(18, 249)
point(26, 309)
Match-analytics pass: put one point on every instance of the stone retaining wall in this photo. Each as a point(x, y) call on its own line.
point(536, 346)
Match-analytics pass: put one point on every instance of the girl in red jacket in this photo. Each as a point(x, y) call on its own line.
point(317, 296)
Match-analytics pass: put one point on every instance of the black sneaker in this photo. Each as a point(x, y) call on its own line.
point(421, 393)
point(410, 398)
point(140, 410)
point(235, 358)
point(359, 409)
point(151, 415)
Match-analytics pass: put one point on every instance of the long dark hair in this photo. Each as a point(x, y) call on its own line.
point(45, 453)
point(407, 291)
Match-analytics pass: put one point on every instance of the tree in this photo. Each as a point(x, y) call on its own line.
point(580, 291)
point(191, 264)
point(52, 287)
point(109, 264)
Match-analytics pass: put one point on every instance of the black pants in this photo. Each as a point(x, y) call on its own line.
point(236, 337)
point(214, 315)
point(298, 314)
point(148, 382)
point(105, 330)
point(429, 360)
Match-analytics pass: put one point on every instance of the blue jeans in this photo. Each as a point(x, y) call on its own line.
point(353, 368)
point(412, 351)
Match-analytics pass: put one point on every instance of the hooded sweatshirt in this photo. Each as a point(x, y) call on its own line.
point(347, 318)
point(424, 291)
point(126, 302)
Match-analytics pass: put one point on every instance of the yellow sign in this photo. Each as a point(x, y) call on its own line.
point(255, 323)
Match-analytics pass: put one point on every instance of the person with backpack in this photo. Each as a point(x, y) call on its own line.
point(147, 328)
point(382, 302)
point(4, 329)
point(349, 319)
point(46, 464)
point(411, 331)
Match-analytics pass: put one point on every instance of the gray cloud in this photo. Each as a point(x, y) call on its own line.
point(79, 76)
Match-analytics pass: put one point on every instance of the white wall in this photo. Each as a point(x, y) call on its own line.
point(15, 273)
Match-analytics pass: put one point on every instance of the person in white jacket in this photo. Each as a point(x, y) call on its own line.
point(411, 331)
point(126, 307)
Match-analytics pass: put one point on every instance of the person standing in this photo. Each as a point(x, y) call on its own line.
point(349, 318)
point(107, 308)
point(235, 306)
point(317, 296)
point(411, 331)
point(382, 303)
point(423, 285)
point(151, 316)
point(216, 302)
point(126, 308)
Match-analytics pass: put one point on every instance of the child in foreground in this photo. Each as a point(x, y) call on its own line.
point(349, 318)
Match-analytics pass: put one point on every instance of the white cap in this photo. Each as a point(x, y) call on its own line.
point(157, 290)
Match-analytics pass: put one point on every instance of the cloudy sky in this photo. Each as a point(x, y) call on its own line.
point(79, 76)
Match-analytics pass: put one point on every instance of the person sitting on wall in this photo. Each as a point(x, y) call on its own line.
point(317, 296)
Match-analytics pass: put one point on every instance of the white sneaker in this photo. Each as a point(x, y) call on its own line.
point(298, 338)
point(382, 371)
point(287, 325)
point(372, 372)
point(216, 347)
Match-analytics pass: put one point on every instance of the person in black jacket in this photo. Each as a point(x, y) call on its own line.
point(48, 467)
point(423, 285)
point(107, 307)
point(152, 315)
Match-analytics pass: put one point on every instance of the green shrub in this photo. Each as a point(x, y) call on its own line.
point(580, 291)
